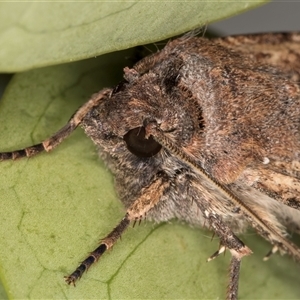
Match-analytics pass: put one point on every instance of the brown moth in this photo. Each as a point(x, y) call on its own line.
point(205, 131)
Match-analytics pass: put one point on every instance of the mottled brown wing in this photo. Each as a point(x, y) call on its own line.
point(280, 50)
point(280, 181)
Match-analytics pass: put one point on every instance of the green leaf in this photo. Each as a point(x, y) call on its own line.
point(55, 207)
point(39, 34)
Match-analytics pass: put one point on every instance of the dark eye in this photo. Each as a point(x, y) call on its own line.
point(139, 145)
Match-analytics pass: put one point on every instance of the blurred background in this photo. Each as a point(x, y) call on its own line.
point(275, 16)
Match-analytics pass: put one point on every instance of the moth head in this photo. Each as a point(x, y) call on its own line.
point(121, 118)
point(133, 100)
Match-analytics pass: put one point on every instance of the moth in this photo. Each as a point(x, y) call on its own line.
point(205, 131)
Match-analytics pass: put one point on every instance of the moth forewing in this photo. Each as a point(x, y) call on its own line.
point(196, 92)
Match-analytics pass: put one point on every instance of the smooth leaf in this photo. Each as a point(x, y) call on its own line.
point(35, 34)
point(55, 207)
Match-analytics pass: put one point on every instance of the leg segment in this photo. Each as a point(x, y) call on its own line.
point(62, 134)
point(94, 256)
point(234, 274)
point(237, 249)
point(150, 196)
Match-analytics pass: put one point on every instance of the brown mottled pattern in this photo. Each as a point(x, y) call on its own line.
point(222, 120)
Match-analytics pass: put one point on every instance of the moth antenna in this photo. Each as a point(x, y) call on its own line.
point(263, 227)
point(56, 139)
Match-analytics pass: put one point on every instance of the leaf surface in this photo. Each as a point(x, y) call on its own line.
point(55, 207)
point(35, 34)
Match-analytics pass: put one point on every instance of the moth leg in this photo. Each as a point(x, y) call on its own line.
point(271, 252)
point(234, 274)
point(227, 238)
point(50, 143)
point(217, 253)
point(150, 196)
point(94, 256)
point(236, 247)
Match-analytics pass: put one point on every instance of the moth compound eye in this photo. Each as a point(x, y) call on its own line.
point(139, 145)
